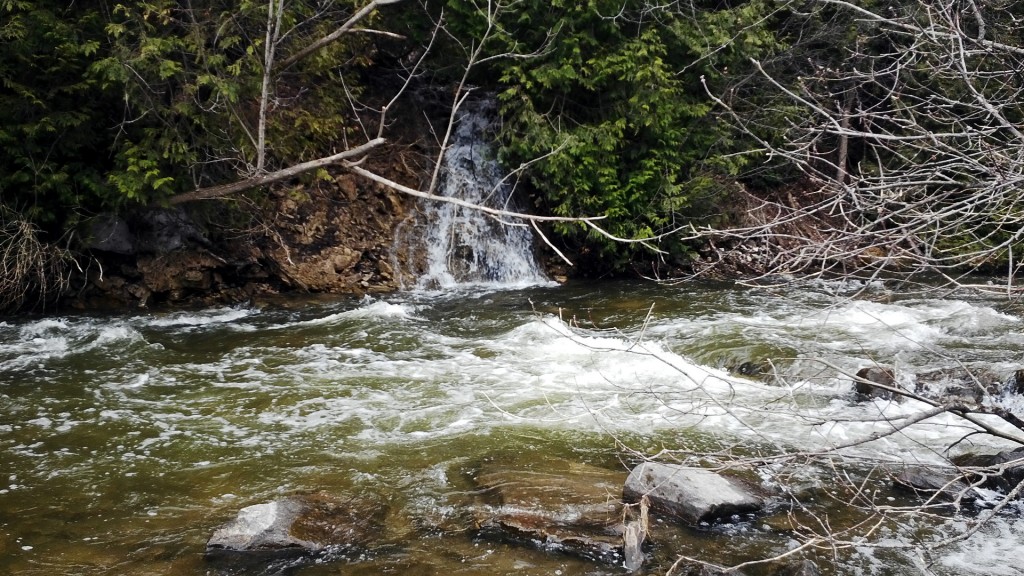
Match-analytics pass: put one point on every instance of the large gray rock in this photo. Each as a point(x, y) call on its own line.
point(149, 230)
point(1002, 471)
point(693, 495)
point(110, 233)
point(303, 524)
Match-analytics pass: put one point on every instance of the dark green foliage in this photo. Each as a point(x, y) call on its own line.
point(617, 99)
point(192, 80)
point(108, 103)
point(53, 115)
point(131, 102)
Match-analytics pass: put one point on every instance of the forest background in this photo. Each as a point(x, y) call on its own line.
point(823, 137)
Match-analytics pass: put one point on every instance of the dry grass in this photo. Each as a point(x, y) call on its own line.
point(31, 272)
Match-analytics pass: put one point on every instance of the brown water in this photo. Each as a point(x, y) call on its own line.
point(126, 440)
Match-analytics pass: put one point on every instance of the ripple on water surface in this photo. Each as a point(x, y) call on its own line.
point(153, 428)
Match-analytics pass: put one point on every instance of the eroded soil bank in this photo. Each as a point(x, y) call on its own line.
point(335, 236)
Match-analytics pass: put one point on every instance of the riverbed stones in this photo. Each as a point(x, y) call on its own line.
point(944, 484)
point(959, 384)
point(869, 382)
point(694, 496)
point(300, 525)
point(802, 568)
point(1002, 471)
point(566, 507)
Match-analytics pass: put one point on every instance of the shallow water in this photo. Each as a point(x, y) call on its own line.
point(126, 440)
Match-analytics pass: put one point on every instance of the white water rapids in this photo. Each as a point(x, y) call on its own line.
point(124, 440)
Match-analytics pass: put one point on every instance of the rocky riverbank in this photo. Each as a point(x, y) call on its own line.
point(658, 515)
point(335, 236)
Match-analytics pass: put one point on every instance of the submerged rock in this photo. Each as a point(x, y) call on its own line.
point(942, 483)
point(300, 525)
point(569, 508)
point(804, 568)
point(956, 385)
point(959, 385)
point(868, 381)
point(1002, 471)
point(705, 570)
point(693, 495)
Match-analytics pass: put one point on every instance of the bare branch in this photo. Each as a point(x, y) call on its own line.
point(933, 112)
point(333, 36)
point(273, 177)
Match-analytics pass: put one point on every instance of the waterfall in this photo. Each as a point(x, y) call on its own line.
point(465, 246)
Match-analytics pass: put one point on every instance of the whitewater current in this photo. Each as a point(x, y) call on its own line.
point(125, 439)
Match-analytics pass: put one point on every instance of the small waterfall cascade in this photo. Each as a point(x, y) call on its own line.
point(465, 246)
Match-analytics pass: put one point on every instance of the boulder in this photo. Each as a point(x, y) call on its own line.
point(1010, 462)
point(869, 379)
point(110, 233)
point(146, 230)
point(300, 525)
point(942, 483)
point(567, 507)
point(692, 495)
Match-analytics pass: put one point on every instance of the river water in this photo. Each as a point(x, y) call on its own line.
point(126, 439)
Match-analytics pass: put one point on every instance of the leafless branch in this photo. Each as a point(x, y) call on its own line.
point(933, 110)
point(273, 177)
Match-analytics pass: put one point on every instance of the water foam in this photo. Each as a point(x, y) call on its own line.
point(368, 310)
point(358, 383)
point(469, 247)
point(225, 316)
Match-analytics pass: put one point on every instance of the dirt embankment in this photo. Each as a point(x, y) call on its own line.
point(329, 236)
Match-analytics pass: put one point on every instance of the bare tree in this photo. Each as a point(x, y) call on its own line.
point(255, 172)
point(911, 142)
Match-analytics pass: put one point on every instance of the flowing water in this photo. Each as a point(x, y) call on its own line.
point(464, 246)
point(125, 440)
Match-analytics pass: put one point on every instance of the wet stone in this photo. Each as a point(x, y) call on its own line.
point(928, 482)
point(568, 508)
point(300, 525)
point(1003, 470)
point(1015, 383)
point(869, 379)
point(692, 495)
point(804, 568)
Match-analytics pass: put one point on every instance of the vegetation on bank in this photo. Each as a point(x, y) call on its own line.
point(903, 119)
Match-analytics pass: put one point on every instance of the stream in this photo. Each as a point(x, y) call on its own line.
point(126, 439)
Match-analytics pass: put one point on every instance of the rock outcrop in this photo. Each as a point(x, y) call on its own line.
point(692, 495)
point(333, 237)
